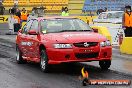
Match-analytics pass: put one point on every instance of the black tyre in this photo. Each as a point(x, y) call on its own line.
point(44, 61)
point(19, 58)
point(86, 82)
point(105, 64)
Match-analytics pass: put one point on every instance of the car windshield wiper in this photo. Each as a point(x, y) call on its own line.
point(73, 30)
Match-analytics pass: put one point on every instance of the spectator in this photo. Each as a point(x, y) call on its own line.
point(2, 9)
point(65, 11)
point(18, 13)
point(24, 15)
point(16, 23)
point(11, 23)
point(127, 21)
point(101, 10)
point(105, 10)
point(32, 14)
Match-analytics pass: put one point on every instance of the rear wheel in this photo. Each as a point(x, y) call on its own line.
point(19, 58)
point(44, 61)
point(105, 64)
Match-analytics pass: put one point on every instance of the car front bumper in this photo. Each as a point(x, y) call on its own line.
point(57, 56)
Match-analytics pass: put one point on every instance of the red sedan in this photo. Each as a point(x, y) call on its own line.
point(54, 40)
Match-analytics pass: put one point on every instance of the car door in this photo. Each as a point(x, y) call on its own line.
point(23, 37)
point(33, 47)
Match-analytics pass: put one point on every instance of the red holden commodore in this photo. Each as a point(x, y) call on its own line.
point(54, 40)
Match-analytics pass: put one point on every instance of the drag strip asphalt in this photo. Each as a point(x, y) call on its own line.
point(13, 75)
point(61, 76)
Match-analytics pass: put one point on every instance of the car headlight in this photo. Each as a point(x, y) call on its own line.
point(105, 43)
point(102, 44)
point(108, 43)
point(62, 46)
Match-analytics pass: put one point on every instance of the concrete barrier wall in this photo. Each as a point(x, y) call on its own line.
point(114, 29)
point(126, 46)
point(4, 18)
point(104, 31)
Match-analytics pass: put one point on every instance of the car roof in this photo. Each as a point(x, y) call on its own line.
point(55, 17)
point(112, 11)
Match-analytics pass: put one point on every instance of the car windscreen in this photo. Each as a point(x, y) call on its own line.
point(110, 15)
point(115, 15)
point(102, 16)
point(63, 25)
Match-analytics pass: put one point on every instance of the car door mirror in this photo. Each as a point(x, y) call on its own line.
point(95, 30)
point(20, 31)
point(32, 32)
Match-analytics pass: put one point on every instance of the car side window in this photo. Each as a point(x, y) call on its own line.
point(105, 16)
point(27, 27)
point(109, 15)
point(34, 25)
point(100, 16)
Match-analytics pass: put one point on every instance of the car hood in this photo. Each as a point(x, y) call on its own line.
point(74, 37)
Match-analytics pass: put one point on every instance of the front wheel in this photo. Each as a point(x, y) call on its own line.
point(105, 64)
point(44, 61)
point(19, 58)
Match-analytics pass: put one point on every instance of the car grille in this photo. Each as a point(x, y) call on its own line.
point(82, 44)
point(86, 55)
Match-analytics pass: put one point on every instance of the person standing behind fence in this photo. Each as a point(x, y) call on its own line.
point(16, 23)
point(24, 15)
point(127, 21)
point(11, 21)
point(2, 9)
point(65, 11)
point(18, 12)
point(32, 15)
